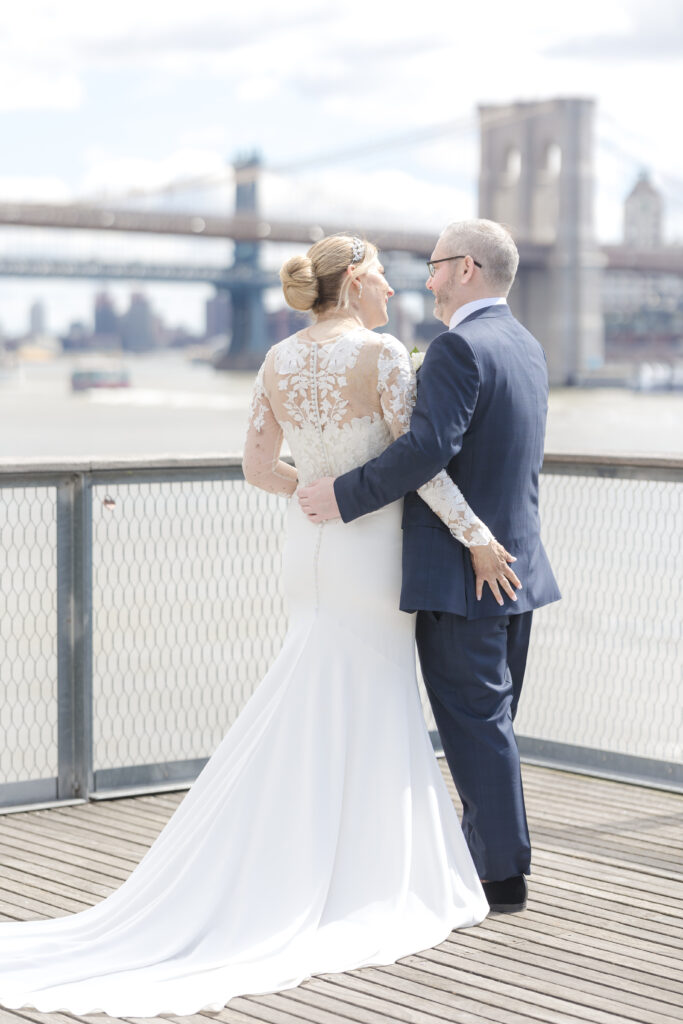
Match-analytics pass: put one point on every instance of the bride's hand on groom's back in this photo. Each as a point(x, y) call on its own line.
point(491, 564)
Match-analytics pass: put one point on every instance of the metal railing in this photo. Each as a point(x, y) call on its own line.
point(140, 605)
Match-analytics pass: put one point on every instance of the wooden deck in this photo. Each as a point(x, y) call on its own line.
point(601, 941)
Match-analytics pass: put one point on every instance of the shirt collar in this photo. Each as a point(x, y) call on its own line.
point(470, 307)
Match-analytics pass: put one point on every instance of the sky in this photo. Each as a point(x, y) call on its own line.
point(339, 99)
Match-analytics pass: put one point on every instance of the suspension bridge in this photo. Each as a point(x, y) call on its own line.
point(522, 182)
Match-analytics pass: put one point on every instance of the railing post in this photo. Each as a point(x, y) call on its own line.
point(74, 637)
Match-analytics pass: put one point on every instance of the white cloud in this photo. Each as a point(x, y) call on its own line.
point(110, 175)
point(646, 31)
point(34, 188)
point(35, 88)
point(364, 200)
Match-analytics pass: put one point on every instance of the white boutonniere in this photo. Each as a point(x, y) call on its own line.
point(416, 358)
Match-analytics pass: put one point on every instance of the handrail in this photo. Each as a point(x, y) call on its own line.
point(554, 462)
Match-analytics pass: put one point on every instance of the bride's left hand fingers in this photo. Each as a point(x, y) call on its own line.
point(505, 585)
point(512, 576)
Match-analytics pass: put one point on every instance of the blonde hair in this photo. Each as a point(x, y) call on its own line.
point(318, 280)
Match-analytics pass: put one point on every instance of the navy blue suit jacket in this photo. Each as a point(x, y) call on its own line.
point(481, 409)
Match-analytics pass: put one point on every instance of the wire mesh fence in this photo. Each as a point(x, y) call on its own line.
point(134, 678)
point(606, 663)
point(28, 633)
point(187, 614)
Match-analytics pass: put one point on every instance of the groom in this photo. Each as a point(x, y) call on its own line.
point(480, 413)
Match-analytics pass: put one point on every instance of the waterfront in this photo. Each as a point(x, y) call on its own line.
point(177, 635)
point(176, 407)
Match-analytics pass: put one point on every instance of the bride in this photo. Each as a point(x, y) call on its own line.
point(320, 837)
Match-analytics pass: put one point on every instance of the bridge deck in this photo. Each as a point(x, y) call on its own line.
point(600, 943)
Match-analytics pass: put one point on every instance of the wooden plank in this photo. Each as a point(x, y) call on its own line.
point(618, 842)
point(659, 889)
point(593, 885)
point(74, 888)
point(10, 898)
point(616, 793)
point(551, 991)
point(594, 945)
point(30, 862)
point(368, 990)
point(323, 994)
point(27, 1014)
point(528, 974)
point(109, 825)
point(225, 1016)
point(588, 923)
point(559, 955)
point(601, 908)
point(613, 852)
point(260, 1009)
point(577, 811)
point(537, 963)
point(56, 830)
point(68, 849)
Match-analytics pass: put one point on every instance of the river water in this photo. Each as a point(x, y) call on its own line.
point(179, 408)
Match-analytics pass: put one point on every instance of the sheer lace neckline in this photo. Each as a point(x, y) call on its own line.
point(328, 342)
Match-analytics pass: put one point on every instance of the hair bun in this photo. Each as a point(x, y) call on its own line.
point(299, 282)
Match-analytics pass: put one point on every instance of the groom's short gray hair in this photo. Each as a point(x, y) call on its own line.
point(490, 244)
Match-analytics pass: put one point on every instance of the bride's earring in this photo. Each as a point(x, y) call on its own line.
point(360, 289)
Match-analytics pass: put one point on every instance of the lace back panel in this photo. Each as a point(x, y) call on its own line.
point(338, 404)
point(326, 398)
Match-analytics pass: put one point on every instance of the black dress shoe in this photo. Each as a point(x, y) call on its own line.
point(507, 896)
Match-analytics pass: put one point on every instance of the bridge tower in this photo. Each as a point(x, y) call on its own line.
point(536, 177)
point(249, 328)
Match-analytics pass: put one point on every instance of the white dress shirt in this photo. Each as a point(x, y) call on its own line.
point(464, 311)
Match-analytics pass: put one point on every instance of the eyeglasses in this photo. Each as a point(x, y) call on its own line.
point(432, 263)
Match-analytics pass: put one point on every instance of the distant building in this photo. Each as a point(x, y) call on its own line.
point(218, 314)
point(106, 317)
point(643, 211)
point(37, 319)
point(138, 327)
point(77, 338)
point(107, 323)
point(643, 311)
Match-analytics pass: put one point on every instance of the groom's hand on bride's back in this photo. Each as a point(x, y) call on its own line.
point(318, 500)
point(491, 564)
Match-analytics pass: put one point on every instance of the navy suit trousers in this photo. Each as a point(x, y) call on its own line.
point(473, 671)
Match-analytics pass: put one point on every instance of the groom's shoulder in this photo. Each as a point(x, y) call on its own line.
point(452, 353)
point(451, 341)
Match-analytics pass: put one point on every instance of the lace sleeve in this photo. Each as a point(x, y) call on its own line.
point(261, 462)
point(397, 387)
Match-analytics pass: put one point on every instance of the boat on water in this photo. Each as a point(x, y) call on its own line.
point(99, 375)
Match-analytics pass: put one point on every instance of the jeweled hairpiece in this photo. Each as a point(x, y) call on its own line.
point(357, 250)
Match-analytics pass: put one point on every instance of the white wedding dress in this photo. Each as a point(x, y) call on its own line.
point(320, 837)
